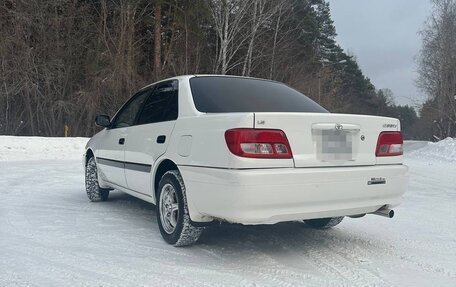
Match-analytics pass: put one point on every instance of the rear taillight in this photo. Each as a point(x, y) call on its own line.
point(389, 144)
point(258, 143)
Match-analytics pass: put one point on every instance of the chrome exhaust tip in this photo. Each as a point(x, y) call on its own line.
point(385, 212)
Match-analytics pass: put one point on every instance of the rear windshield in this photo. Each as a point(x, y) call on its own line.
point(231, 94)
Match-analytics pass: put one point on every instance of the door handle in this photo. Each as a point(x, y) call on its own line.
point(161, 139)
point(121, 140)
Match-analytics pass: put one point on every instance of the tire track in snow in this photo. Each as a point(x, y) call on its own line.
point(333, 258)
point(348, 256)
point(285, 274)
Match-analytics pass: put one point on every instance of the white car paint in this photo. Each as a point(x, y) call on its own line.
point(223, 186)
point(109, 148)
point(141, 147)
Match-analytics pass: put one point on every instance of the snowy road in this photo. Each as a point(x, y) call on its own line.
point(51, 235)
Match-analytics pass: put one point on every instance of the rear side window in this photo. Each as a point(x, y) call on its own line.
point(162, 104)
point(232, 94)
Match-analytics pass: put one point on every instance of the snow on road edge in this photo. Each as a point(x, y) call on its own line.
point(443, 151)
point(14, 148)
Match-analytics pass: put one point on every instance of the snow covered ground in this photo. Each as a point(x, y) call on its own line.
point(51, 235)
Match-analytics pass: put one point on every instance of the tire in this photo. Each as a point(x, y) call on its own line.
point(94, 191)
point(172, 211)
point(324, 223)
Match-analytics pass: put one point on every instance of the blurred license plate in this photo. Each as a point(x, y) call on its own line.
point(336, 145)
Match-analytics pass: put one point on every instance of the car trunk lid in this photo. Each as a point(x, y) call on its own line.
point(328, 140)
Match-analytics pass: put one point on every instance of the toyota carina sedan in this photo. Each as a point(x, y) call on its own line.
point(223, 148)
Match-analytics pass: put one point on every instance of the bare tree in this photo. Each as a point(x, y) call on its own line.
point(437, 64)
point(157, 40)
point(228, 17)
point(261, 20)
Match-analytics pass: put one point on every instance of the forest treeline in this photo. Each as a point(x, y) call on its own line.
point(65, 61)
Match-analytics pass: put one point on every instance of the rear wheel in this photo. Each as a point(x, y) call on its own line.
point(324, 223)
point(172, 211)
point(94, 191)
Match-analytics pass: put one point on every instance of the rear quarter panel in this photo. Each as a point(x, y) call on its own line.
point(200, 141)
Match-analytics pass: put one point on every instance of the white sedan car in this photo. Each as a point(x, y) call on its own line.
point(243, 150)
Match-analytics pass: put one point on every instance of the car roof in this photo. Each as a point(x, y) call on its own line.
point(186, 77)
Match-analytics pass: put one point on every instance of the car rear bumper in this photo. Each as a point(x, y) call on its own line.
point(267, 196)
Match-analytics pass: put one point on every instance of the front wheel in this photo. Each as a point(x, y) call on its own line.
point(172, 211)
point(94, 191)
point(324, 223)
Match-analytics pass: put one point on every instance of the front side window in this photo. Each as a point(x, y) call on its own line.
point(127, 116)
point(162, 104)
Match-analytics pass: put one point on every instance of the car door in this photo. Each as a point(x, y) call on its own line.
point(149, 138)
point(111, 150)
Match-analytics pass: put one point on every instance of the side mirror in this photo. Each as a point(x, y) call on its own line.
point(102, 121)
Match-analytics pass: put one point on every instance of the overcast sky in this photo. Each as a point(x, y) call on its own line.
point(383, 35)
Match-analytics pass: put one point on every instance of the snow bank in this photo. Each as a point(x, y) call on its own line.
point(39, 148)
point(444, 150)
point(412, 145)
